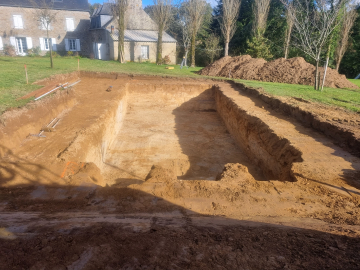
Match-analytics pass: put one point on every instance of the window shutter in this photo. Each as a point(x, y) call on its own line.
point(78, 45)
point(18, 23)
point(13, 41)
point(29, 43)
point(69, 24)
point(1, 45)
point(66, 44)
point(21, 25)
point(53, 42)
point(42, 44)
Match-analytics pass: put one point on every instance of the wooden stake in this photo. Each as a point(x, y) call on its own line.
point(27, 80)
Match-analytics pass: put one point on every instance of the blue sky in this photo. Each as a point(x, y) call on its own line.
point(146, 2)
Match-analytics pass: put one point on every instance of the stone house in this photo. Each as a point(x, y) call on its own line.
point(20, 28)
point(141, 35)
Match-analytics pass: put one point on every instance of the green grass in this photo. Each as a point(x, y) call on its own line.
point(346, 98)
point(13, 83)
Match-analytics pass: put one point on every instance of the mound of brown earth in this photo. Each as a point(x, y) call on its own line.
point(294, 71)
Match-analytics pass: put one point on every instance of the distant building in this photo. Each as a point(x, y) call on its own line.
point(141, 35)
point(20, 28)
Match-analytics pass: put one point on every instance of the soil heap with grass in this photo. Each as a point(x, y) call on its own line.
point(293, 71)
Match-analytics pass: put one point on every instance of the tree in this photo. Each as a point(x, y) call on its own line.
point(261, 11)
point(119, 14)
point(194, 11)
point(259, 45)
point(45, 16)
point(227, 20)
point(314, 21)
point(289, 27)
point(162, 14)
point(212, 47)
point(349, 19)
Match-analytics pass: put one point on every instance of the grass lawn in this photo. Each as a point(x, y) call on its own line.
point(13, 83)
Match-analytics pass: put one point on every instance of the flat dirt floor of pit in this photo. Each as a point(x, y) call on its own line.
point(163, 173)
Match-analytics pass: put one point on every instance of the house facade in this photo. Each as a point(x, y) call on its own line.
point(141, 35)
point(20, 27)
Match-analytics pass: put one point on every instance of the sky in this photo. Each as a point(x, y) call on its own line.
point(148, 2)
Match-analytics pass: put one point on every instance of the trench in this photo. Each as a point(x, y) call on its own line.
point(194, 130)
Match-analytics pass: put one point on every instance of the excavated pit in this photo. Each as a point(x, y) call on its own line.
point(176, 127)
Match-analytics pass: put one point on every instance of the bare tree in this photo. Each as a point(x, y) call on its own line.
point(261, 12)
point(194, 11)
point(186, 34)
point(289, 28)
point(45, 15)
point(162, 14)
point(119, 14)
point(227, 20)
point(314, 21)
point(212, 48)
point(349, 18)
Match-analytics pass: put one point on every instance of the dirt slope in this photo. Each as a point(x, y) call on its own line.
point(294, 71)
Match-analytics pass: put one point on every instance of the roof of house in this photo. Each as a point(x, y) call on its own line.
point(104, 9)
point(76, 5)
point(142, 36)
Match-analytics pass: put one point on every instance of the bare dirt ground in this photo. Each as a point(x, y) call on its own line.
point(294, 71)
point(161, 173)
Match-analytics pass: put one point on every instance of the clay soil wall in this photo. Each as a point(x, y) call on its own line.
point(274, 155)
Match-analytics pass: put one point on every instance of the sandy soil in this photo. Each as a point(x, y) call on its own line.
point(294, 71)
point(160, 173)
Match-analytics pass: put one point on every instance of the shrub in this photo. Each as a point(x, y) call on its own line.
point(9, 50)
point(166, 60)
point(54, 54)
point(34, 52)
point(70, 53)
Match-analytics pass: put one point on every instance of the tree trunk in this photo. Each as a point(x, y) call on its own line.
point(159, 46)
point(227, 39)
point(193, 40)
point(317, 74)
point(287, 42)
point(326, 66)
point(50, 48)
point(186, 56)
point(121, 45)
point(325, 69)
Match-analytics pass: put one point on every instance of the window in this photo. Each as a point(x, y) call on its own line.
point(46, 44)
point(70, 24)
point(18, 22)
point(72, 45)
point(145, 52)
point(44, 24)
point(21, 45)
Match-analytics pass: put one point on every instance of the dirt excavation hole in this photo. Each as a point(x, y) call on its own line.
point(205, 173)
point(176, 127)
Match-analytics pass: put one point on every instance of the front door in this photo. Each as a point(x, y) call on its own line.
point(100, 51)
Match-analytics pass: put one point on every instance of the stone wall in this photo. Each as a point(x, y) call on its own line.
point(133, 51)
point(32, 29)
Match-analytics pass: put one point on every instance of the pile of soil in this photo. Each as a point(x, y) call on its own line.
point(294, 71)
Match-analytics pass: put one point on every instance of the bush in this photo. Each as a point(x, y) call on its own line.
point(166, 60)
point(34, 52)
point(259, 47)
point(9, 50)
point(54, 54)
point(70, 53)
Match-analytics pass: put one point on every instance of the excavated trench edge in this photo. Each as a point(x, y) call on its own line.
point(272, 154)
